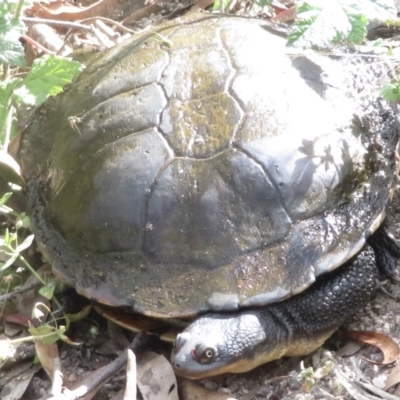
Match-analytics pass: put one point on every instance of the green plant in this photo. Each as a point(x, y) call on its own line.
point(320, 23)
point(30, 86)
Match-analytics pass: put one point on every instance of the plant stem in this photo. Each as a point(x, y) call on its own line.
point(18, 10)
point(10, 116)
point(6, 71)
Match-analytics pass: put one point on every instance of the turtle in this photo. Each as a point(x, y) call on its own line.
point(205, 171)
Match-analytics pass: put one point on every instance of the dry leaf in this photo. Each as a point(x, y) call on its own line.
point(393, 378)
point(16, 387)
point(69, 12)
point(385, 344)
point(20, 319)
point(143, 12)
point(155, 377)
point(8, 161)
point(349, 349)
point(286, 16)
point(202, 4)
point(47, 354)
point(79, 387)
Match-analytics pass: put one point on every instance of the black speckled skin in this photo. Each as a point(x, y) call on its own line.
point(242, 341)
point(330, 300)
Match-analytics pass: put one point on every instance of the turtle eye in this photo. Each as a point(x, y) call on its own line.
point(205, 356)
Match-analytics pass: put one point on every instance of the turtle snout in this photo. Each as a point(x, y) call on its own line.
point(179, 351)
point(180, 340)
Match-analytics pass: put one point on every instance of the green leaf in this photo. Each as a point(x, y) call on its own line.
point(358, 28)
point(5, 198)
point(373, 9)
point(225, 4)
point(47, 77)
point(321, 23)
point(319, 26)
point(48, 290)
point(25, 244)
point(80, 315)
point(10, 6)
point(6, 92)
point(11, 50)
point(11, 29)
point(262, 3)
point(9, 262)
point(23, 221)
point(46, 333)
point(391, 92)
point(7, 237)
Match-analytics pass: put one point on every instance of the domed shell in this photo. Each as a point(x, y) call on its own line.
point(206, 166)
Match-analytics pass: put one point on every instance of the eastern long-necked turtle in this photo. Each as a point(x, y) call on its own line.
point(205, 169)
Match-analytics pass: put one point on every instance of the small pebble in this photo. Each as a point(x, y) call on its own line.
point(379, 381)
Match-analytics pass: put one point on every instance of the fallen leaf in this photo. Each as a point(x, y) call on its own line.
point(286, 15)
point(349, 349)
point(16, 387)
point(388, 347)
point(202, 4)
point(80, 386)
point(155, 377)
point(393, 378)
point(48, 354)
point(69, 12)
point(8, 161)
point(143, 12)
point(20, 319)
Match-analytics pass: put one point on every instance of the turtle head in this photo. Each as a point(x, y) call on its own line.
point(219, 343)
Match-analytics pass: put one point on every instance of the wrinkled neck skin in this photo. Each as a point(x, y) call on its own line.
point(238, 342)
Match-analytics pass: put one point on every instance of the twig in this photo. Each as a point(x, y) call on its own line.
point(58, 377)
point(36, 44)
point(378, 392)
point(131, 377)
point(106, 373)
point(64, 24)
point(19, 290)
point(110, 21)
point(352, 389)
point(76, 25)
